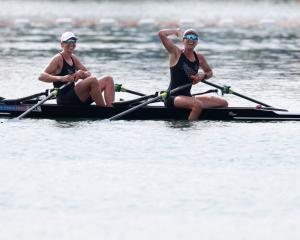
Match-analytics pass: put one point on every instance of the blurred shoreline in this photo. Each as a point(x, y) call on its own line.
point(149, 13)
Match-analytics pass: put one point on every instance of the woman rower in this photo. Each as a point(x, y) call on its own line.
point(66, 67)
point(184, 66)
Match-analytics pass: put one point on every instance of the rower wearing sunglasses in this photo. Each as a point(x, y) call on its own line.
point(66, 67)
point(184, 66)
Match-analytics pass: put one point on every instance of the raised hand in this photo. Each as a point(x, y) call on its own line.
point(177, 32)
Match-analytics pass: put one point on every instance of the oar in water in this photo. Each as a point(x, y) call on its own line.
point(55, 92)
point(119, 88)
point(162, 95)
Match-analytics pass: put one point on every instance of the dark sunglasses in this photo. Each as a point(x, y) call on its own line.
point(70, 41)
point(192, 37)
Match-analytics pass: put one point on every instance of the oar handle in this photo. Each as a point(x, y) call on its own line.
point(226, 89)
point(175, 90)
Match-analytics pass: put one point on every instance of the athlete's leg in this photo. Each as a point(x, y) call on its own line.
point(212, 101)
point(192, 103)
point(89, 87)
point(107, 86)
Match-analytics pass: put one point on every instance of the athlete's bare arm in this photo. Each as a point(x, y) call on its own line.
point(82, 72)
point(174, 51)
point(52, 69)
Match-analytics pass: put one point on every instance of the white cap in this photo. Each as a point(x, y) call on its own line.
point(66, 36)
point(190, 30)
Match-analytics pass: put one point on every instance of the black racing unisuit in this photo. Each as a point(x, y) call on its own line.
point(67, 96)
point(180, 75)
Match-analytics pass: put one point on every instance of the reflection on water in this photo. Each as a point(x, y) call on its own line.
point(67, 123)
point(180, 124)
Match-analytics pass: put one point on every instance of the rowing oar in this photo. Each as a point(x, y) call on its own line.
point(208, 91)
point(226, 90)
point(55, 92)
point(162, 95)
point(19, 100)
point(134, 101)
point(119, 88)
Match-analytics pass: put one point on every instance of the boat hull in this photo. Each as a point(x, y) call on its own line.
point(54, 111)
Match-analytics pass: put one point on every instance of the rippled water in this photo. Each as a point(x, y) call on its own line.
point(152, 179)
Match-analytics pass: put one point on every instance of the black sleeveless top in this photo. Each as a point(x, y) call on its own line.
point(181, 74)
point(66, 70)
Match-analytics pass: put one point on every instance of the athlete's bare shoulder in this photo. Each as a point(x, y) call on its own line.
point(75, 58)
point(56, 60)
point(201, 58)
point(200, 55)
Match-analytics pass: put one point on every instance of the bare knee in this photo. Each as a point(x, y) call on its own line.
point(220, 102)
point(91, 79)
point(93, 82)
point(224, 103)
point(107, 80)
point(197, 106)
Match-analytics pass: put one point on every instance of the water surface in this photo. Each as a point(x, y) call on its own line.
point(74, 179)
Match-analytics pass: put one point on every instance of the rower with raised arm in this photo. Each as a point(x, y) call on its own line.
point(66, 67)
point(184, 66)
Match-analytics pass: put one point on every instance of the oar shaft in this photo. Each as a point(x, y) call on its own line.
point(18, 100)
point(135, 93)
point(119, 88)
point(212, 84)
point(136, 100)
point(149, 101)
point(250, 99)
point(208, 91)
point(237, 94)
point(34, 106)
point(53, 93)
point(134, 108)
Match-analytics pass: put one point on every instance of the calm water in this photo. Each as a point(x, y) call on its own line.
point(152, 179)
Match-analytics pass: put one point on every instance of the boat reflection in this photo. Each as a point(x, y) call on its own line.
point(180, 124)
